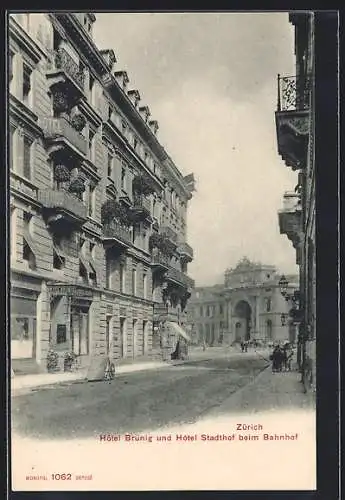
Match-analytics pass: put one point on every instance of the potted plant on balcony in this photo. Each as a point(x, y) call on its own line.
point(61, 174)
point(143, 185)
point(78, 122)
point(52, 361)
point(77, 186)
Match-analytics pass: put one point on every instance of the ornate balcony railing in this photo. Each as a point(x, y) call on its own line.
point(60, 128)
point(179, 277)
point(62, 200)
point(61, 60)
point(141, 203)
point(293, 93)
point(160, 259)
point(115, 230)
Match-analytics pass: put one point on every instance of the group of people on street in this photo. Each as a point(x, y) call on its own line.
point(282, 358)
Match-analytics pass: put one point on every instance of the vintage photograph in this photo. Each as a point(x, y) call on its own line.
point(162, 250)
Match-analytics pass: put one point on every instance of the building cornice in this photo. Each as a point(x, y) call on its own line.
point(18, 33)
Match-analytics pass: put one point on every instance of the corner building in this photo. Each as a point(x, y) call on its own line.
point(98, 208)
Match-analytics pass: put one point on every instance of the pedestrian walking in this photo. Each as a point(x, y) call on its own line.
point(242, 346)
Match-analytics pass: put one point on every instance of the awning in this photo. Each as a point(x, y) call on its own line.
point(179, 330)
point(85, 263)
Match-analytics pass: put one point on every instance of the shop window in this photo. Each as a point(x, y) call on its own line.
point(23, 328)
point(27, 84)
point(123, 336)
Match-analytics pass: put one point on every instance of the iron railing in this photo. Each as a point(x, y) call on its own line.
point(61, 199)
point(180, 277)
point(293, 93)
point(63, 61)
point(115, 230)
point(160, 258)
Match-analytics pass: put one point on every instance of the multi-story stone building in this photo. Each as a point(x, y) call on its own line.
point(295, 121)
point(98, 208)
point(248, 306)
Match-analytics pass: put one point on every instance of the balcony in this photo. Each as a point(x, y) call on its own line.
point(164, 313)
point(63, 138)
point(115, 235)
point(64, 73)
point(178, 277)
point(62, 206)
point(290, 220)
point(186, 252)
point(293, 120)
point(141, 208)
point(169, 233)
point(160, 261)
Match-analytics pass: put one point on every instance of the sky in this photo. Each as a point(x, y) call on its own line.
point(210, 80)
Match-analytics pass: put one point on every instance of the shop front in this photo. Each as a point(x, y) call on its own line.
point(70, 313)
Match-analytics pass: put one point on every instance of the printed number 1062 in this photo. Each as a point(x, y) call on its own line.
point(62, 476)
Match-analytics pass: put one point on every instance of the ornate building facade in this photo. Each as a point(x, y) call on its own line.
point(99, 250)
point(248, 306)
point(295, 122)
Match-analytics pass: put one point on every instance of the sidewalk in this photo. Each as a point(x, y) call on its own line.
point(21, 382)
point(268, 392)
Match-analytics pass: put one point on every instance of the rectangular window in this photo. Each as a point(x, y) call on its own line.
point(27, 150)
point(91, 144)
point(122, 278)
point(10, 66)
point(108, 273)
point(91, 88)
point(144, 336)
point(110, 165)
point(134, 281)
point(221, 311)
point(91, 200)
point(13, 230)
point(134, 337)
point(123, 177)
point(201, 311)
point(145, 285)
point(124, 128)
point(27, 84)
point(135, 143)
point(12, 150)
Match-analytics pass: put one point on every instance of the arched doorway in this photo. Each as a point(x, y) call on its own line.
point(242, 315)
